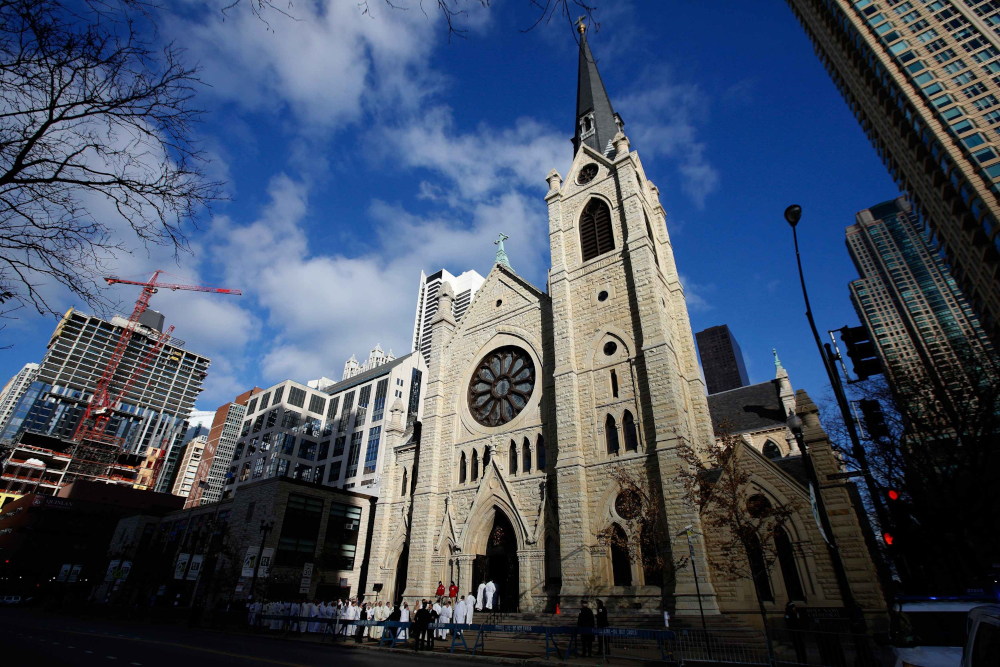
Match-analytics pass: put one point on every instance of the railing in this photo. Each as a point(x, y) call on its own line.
point(681, 647)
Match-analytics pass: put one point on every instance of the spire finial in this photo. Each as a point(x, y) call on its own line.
point(501, 253)
point(580, 25)
point(777, 361)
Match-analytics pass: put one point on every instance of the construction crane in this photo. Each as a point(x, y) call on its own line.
point(101, 407)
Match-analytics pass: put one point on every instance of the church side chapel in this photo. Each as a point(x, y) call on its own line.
point(536, 398)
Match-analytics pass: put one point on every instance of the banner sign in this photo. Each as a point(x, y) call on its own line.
point(74, 573)
point(112, 570)
point(64, 572)
point(195, 568)
point(307, 576)
point(182, 562)
point(250, 560)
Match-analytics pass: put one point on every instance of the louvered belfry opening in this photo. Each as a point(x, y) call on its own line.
point(596, 237)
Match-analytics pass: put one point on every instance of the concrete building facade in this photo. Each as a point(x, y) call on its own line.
point(332, 437)
point(464, 285)
point(187, 469)
point(218, 455)
point(922, 79)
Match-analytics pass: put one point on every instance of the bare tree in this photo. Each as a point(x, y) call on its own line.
point(743, 522)
point(452, 10)
point(96, 148)
point(939, 454)
point(643, 532)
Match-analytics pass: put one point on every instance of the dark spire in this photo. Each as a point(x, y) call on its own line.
point(596, 121)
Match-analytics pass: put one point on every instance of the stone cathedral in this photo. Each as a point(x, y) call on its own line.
point(534, 395)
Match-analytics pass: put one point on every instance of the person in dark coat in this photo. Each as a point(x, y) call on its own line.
point(795, 630)
point(586, 620)
point(421, 619)
point(433, 618)
point(603, 643)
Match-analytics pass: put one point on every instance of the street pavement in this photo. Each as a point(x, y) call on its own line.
point(31, 638)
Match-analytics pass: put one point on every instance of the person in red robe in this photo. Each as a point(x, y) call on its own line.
point(440, 590)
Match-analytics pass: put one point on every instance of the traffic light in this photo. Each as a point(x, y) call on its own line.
point(861, 351)
point(874, 418)
point(888, 538)
point(893, 494)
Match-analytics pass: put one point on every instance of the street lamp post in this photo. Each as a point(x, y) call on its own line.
point(792, 216)
point(697, 589)
point(265, 528)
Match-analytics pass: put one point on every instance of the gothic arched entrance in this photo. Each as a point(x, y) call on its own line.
point(499, 564)
point(400, 585)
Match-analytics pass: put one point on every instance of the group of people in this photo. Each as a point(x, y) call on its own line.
point(587, 619)
point(291, 616)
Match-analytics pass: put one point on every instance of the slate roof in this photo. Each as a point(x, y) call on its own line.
point(755, 407)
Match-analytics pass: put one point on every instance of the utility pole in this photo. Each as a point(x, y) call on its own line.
point(265, 528)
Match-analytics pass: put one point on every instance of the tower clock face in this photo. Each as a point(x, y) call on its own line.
point(501, 386)
point(587, 174)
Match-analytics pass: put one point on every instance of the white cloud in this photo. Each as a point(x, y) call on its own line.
point(695, 294)
point(324, 308)
point(321, 69)
point(662, 119)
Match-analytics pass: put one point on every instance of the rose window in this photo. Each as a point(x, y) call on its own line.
point(501, 386)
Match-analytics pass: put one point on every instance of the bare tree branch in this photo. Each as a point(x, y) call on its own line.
point(92, 118)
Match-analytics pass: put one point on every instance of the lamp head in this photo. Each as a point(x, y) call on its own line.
point(794, 423)
point(792, 214)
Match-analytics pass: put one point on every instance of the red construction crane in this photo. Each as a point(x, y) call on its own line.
point(101, 406)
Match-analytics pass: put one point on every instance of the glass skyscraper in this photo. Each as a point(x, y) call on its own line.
point(923, 79)
point(906, 298)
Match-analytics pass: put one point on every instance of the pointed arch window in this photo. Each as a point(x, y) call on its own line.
point(649, 233)
point(403, 492)
point(631, 437)
point(771, 450)
point(758, 568)
point(786, 559)
point(596, 235)
point(475, 465)
point(614, 384)
point(486, 459)
point(461, 471)
point(540, 453)
point(526, 456)
point(512, 458)
point(621, 564)
point(611, 434)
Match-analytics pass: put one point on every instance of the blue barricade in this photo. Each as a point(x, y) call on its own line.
point(392, 631)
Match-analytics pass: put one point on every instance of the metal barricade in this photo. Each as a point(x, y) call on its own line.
point(829, 649)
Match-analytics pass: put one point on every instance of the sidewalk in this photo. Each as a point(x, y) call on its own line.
point(500, 648)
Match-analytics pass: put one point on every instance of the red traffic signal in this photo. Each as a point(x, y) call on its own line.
point(893, 494)
point(888, 538)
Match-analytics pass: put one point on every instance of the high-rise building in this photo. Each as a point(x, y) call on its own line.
point(923, 79)
point(218, 453)
point(721, 359)
point(152, 413)
point(330, 437)
point(465, 287)
point(14, 390)
point(376, 357)
point(908, 301)
point(187, 469)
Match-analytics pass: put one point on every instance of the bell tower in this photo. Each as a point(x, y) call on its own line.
point(627, 386)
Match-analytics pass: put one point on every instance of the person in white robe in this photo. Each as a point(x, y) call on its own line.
point(491, 588)
point(294, 613)
point(313, 613)
point(286, 608)
point(404, 617)
point(444, 618)
point(460, 614)
point(306, 611)
point(374, 615)
point(470, 607)
point(479, 596)
point(276, 615)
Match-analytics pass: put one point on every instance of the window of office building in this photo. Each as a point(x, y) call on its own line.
point(299, 530)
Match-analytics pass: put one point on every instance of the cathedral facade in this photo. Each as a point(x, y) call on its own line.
point(534, 397)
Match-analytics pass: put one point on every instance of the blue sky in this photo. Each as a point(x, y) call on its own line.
point(358, 150)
